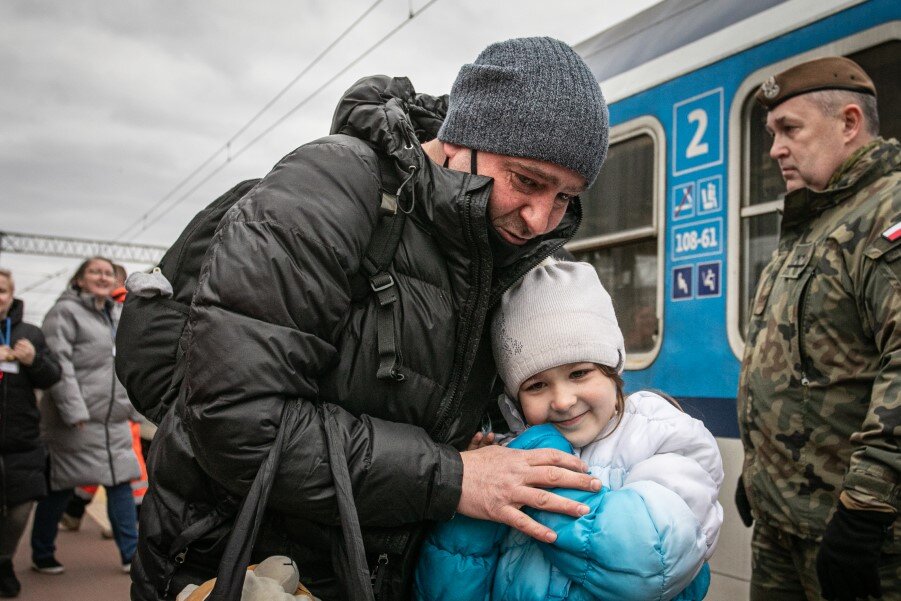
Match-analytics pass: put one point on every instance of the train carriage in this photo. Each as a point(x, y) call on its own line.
point(685, 213)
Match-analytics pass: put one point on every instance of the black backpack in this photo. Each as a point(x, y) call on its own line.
point(149, 339)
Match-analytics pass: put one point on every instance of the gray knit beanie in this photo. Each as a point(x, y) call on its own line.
point(558, 313)
point(533, 98)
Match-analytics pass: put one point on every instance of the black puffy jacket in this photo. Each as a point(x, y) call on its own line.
point(23, 458)
point(276, 318)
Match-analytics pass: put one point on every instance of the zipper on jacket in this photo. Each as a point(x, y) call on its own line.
point(482, 283)
point(3, 481)
point(112, 400)
point(802, 357)
point(377, 576)
point(178, 560)
point(3, 419)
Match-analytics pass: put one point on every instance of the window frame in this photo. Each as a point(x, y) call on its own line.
point(645, 125)
point(739, 151)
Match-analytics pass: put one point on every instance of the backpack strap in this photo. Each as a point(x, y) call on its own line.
point(349, 554)
point(236, 557)
point(376, 261)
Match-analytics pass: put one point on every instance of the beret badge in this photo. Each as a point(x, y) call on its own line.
point(770, 88)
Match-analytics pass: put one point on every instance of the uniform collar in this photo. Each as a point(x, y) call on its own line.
point(865, 165)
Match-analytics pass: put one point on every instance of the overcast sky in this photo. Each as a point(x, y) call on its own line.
point(107, 106)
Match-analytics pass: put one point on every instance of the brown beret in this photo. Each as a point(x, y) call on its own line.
point(830, 73)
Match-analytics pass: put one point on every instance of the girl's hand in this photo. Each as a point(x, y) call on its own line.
point(480, 440)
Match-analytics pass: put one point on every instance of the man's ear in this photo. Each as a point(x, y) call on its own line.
point(455, 156)
point(852, 122)
point(451, 150)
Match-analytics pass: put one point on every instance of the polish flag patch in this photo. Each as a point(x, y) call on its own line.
point(893, 233)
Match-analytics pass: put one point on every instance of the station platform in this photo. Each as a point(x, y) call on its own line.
point(93, 568)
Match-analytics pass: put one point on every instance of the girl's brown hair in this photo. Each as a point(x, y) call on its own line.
point(614, 375)
point(611, 373)
point(79, 273)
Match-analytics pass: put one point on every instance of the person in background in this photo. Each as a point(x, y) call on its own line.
point(76, 507)
point(653, 526)
point(119, 291)
point(819, 400)
point(85, 418)
point(25, 364)
point(141, 432)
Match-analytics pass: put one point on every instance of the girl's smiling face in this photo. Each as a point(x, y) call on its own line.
point(578, 398)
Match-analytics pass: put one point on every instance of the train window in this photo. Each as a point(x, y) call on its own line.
point(622, 197)
point(763, 185)
point(620, 237)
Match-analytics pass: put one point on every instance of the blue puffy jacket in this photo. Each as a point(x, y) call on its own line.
point(639, 542)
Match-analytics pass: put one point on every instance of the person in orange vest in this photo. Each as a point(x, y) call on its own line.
point(119, 292)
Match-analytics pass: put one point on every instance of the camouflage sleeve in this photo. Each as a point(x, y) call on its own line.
point(872, 478)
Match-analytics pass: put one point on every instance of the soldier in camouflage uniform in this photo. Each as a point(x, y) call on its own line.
point(820, 386)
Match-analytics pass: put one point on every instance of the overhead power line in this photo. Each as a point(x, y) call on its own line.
point(227, 146)
point(57, 246)
point(145, 223)
point(43, 280)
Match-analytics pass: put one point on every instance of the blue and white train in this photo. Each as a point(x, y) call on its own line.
point(686, 211)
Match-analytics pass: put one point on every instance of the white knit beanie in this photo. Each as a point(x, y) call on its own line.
point(558, 313)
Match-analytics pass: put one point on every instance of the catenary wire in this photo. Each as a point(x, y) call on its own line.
point(44, 280)
point(148, 223)
point(225, 147)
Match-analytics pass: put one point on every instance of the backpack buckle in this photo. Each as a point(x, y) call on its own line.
point(381, 281)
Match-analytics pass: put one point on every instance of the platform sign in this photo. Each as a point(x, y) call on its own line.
point(710, 195)
point(699, 239)
point(709, 280)
point(698, 132)
point(682, 283)
point(683, 201)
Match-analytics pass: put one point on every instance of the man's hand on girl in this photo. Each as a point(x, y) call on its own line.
point(499, 481)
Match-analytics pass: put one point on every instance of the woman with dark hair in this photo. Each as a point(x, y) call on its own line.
point(85, 419)
point(25, 364)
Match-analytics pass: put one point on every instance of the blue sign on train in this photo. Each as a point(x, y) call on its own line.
point(698, 132)
point(710, 194)
point(682, 282)
point(709, 279)
point(698, 239)
point(684, 201)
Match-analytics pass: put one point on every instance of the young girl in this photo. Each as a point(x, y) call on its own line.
point(653, 525)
